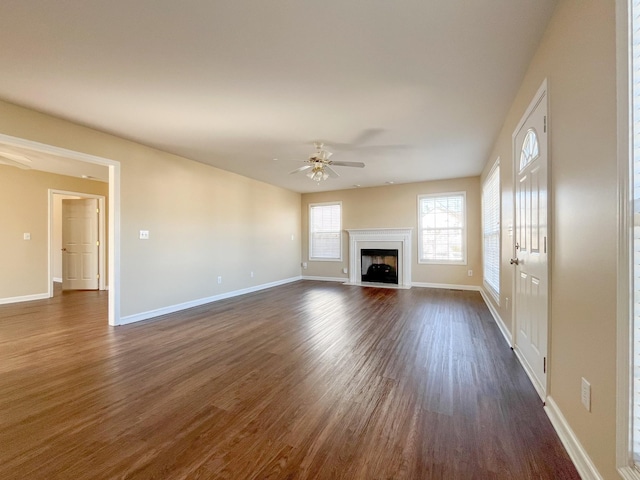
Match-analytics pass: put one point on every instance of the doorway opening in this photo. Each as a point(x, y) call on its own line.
point(57, 249)
point(112, 223)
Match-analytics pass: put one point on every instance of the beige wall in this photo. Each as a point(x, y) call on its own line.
point(203, 222)
point(397, 206)
point(577, 56)
point(24, 208)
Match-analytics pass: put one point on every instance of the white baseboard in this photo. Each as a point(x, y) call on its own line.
point(57, 279)
point(326, 279)
point(576, 451)
point(496, 316)
point(24, 298)
point(138, 317)
point(448, 286)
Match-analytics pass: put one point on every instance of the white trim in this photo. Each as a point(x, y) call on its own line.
point(114, 211)
point(324, 279)
point(532, 106)
point(576, 451)
point(624, 330)
point(24, 298)
point(359, 235)
point(449, 286)
point(496, 316)
point(59, 280)
point(138, 317)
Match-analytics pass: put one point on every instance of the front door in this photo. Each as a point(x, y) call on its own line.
point(80, 244)
point(531, 242)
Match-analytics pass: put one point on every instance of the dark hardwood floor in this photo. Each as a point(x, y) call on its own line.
point(309, 380)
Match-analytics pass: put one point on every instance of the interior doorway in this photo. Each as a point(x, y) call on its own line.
point(57, 252)
point(113, 222)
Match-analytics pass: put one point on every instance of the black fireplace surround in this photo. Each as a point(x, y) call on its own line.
point(379, 265)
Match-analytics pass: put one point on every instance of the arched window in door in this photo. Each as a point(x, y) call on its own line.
point(530, 150)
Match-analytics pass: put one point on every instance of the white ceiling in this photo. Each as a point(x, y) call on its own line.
point(238, 83)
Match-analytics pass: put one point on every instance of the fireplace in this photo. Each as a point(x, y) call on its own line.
point(379, 265)
point(380, 240)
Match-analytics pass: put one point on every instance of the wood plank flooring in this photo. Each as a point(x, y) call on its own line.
point(309, 380)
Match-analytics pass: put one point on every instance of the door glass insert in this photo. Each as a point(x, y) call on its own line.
point(530, 150)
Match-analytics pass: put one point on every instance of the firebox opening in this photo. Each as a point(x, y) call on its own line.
point(379, 265)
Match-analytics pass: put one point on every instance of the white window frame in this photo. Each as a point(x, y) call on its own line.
point(323, 259)
point(495, 170)
point(626, 328)
point(421, 258)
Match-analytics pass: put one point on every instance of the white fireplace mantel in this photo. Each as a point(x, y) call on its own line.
point(368, 237)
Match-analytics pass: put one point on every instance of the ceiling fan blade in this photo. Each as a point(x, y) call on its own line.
point(301, 169)
point(332, 173)
point(348, 164)
point(14, 162)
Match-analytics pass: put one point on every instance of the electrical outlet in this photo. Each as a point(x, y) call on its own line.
point(144, 234)
point(251, 274)
point(470, 273)
point(219, 279)
point(344, 270)
point(26, 236)
point(304, 264)
point(585, 394)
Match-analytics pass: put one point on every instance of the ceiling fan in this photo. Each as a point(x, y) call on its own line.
point(319, 165)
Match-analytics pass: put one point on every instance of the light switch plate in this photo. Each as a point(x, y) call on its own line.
point(27, 236)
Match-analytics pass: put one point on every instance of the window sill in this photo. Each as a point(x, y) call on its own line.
point(441, 262)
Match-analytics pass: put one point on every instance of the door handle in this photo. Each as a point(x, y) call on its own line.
point(514, 261)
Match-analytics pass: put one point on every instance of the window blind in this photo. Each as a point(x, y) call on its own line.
point(636, 226)
point(325, 232)
point(491, 232)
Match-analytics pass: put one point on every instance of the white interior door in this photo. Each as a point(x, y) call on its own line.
point(80, 244)
point(531, 298)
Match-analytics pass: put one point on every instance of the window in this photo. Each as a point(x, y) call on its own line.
point(442, 228)
point(635, 250)
point(629, 448)
point(325, 231)
point(530, 149)
point(491, 232)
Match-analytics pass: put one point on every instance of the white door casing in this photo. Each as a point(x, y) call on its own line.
point(80, 244)
point(531, 241)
